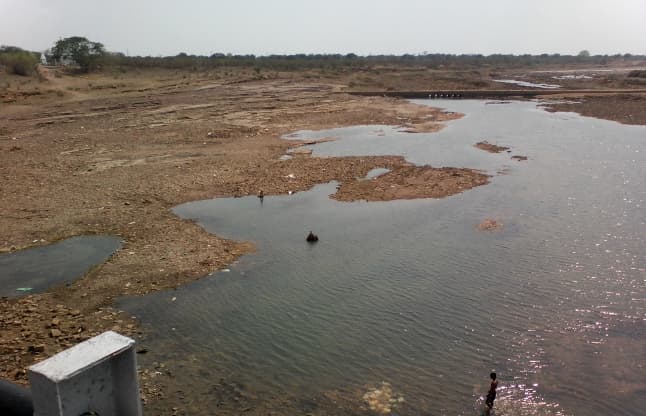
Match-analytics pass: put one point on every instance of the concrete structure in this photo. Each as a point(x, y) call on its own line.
point(97, 376)
point(529, 93)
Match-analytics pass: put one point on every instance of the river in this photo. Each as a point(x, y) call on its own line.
point(411, 294)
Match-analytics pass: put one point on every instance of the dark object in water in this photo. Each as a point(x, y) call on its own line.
point(261, 194)
point(312, 238)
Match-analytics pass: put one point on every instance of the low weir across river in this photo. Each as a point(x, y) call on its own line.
point(527, 93)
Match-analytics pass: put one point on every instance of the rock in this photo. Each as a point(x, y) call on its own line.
point(56, 322)
point(34, 349)
point(55, 333)
point(312, 238)
point(382, 399)
point(489, 224)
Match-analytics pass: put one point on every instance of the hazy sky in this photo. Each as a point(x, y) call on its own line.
point(165, 27)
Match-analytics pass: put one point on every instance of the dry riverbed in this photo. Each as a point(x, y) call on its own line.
point(116, 161)
point(79, 159)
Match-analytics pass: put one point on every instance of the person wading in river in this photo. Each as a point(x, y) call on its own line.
point(491, 396)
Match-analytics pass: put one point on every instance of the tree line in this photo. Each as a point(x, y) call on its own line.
point(84, 55)
point(352, 61)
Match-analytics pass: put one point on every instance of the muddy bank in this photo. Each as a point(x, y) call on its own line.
point(411, 182)
point(491, 148)
point(431, 123)
point(489, 224)
point(624, 108)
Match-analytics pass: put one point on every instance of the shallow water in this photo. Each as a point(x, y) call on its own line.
point(410, 293)
point(527, 83)
point(41, 268)
point(572, 76)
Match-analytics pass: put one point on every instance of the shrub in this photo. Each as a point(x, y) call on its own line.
point(17, 61)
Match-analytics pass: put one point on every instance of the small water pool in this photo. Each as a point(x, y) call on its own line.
point(37, 269)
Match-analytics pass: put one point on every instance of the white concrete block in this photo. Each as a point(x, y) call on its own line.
point(98, 375)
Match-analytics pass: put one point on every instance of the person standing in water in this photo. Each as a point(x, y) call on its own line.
point(491, 396)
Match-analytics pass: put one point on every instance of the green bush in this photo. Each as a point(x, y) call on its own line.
point(79, 51)
point(18, 62)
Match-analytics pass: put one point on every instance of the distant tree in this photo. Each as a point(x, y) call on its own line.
point(78, 50)
point(584, 54)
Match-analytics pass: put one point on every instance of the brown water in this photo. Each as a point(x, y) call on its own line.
point(411, 294)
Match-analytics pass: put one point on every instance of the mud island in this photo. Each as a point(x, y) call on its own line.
point(491, 148)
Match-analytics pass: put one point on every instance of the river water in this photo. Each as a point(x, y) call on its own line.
point(410, 292)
